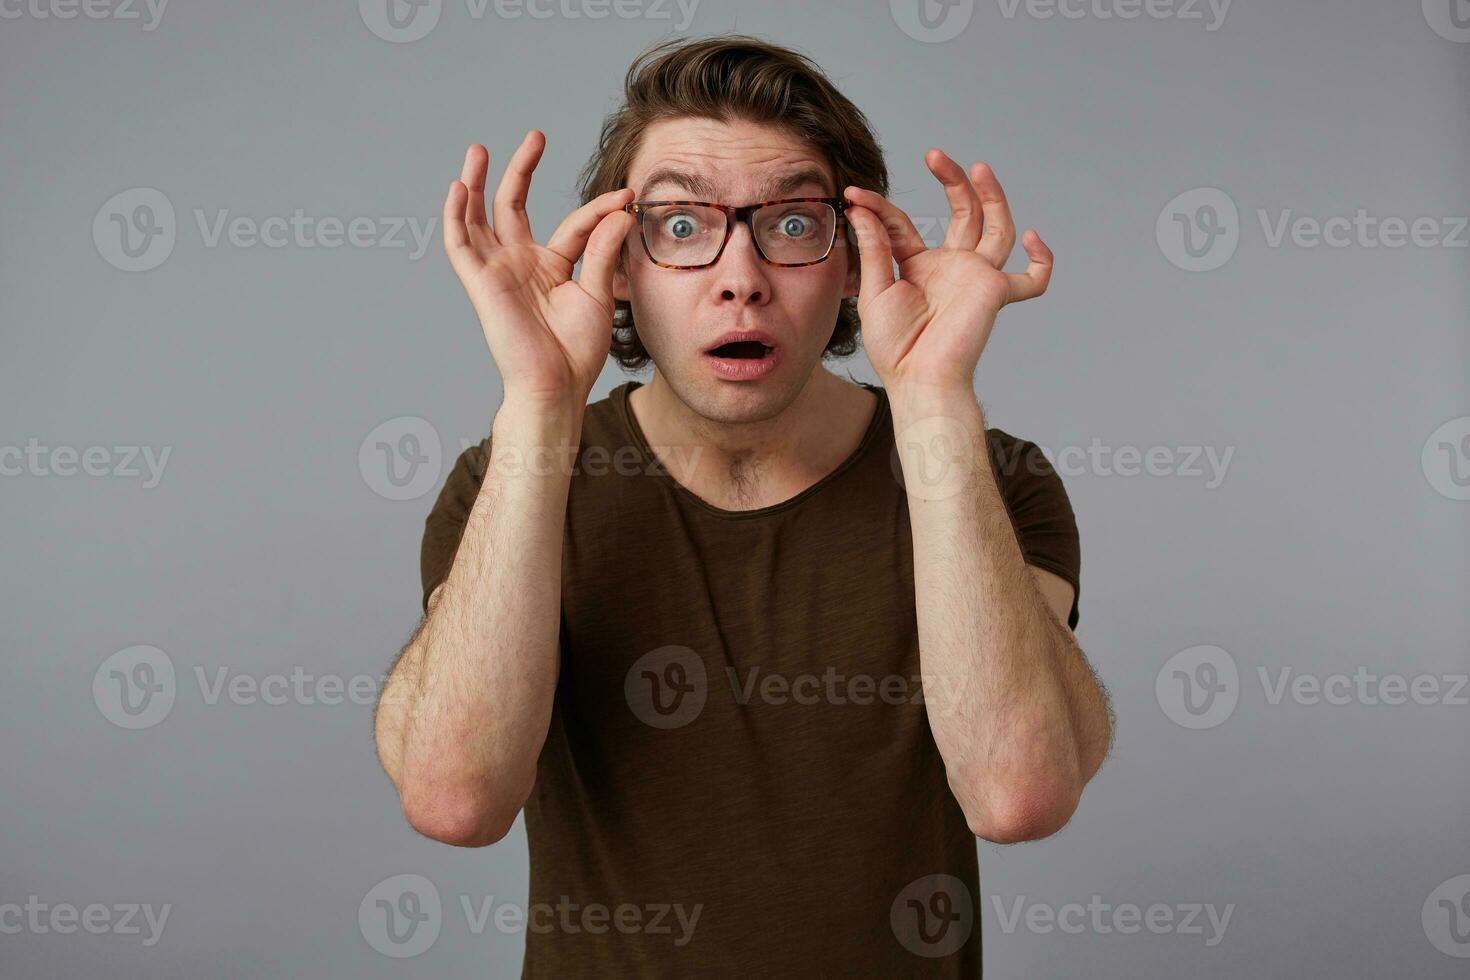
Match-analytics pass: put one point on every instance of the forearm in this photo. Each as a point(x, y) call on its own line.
point(466, 709)
point(1014, 707)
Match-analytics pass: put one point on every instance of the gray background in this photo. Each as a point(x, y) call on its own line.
point(267, 547)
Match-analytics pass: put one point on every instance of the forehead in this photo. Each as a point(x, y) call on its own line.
point(732, 162)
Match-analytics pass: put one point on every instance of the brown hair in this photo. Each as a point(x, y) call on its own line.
point(735, 77)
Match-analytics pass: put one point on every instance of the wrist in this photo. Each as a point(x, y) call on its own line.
point(913, 401)
point(536, 437)
point(549, 414)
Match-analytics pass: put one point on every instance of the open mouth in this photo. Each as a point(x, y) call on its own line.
point(741, 350)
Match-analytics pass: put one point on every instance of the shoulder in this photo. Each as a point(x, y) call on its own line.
point(1019, 463)
point(1040, 511)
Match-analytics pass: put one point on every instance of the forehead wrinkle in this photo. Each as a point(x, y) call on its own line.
point(694, 183)
point(785, 184)
point(771, 187)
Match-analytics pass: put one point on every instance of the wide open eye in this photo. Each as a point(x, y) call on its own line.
point(683, 234)
point(795, 232)
point(679, 226)
point(796, 223)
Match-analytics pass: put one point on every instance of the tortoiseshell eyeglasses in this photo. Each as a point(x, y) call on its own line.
point(794, 231)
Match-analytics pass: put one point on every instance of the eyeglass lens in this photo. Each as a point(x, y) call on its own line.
point(790, 233)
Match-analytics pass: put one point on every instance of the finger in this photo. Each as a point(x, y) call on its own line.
point(570, 237)
point(1032, 282)
point(472, 175)
point(601, 255)
point(903, 237)
point(875, 254)
point(964, 204)
point(512, 226)
point(456, 237)
point(1000, 229)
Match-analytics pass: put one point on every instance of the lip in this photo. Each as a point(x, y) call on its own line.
point(760, 336)
point(744, 369)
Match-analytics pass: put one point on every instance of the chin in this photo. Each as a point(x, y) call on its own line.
point(736, 401)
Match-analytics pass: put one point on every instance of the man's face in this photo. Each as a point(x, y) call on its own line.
point(682, 313)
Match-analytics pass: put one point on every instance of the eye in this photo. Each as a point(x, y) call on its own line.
point(681, 225)
point(794, 224)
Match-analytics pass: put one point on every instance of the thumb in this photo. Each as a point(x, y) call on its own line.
point(601, 255)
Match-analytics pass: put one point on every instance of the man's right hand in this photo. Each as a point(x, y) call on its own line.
point(549, 334)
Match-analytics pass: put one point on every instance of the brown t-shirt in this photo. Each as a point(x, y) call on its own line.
point(739, 777)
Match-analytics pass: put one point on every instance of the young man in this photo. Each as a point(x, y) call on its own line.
point(760, 651)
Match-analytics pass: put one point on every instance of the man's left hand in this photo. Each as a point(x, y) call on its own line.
point(925, 329)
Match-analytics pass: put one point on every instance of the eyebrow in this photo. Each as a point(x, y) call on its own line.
point(770, 189)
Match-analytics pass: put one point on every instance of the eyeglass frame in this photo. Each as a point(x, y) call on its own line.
point(734, 215)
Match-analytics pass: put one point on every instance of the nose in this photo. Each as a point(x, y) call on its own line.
point(740, 274)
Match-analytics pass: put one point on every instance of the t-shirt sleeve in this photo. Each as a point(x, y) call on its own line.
point(445, 524)
point(1040, 512)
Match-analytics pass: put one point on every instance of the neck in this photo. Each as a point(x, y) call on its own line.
point(745, 464)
